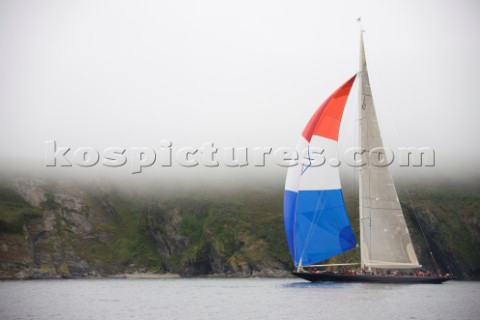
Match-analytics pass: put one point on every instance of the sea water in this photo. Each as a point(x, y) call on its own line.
point(234, 299)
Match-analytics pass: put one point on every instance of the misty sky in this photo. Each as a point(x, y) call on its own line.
point(236, 73)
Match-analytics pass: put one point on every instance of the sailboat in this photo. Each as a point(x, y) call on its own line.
point(315, 217)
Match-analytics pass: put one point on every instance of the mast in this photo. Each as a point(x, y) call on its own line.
point(359, 114)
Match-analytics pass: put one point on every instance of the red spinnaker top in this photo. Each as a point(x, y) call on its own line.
point(325, 122)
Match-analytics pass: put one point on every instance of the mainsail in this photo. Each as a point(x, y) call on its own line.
point(384, 238)
point(316, 221)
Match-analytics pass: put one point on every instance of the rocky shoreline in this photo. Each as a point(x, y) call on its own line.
point(42, 274)
point(67, 230)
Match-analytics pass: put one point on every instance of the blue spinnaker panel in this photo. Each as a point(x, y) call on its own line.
point(289, 205)
point(321, 226)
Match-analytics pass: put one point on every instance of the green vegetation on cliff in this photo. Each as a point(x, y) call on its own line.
point(58, 229)
point(15, 212)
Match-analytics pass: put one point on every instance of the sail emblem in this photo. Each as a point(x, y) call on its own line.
point(307, 161)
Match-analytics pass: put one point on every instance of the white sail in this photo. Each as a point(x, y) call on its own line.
point(384, 238)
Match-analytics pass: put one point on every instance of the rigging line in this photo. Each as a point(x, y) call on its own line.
point(333, 264)
point(420, 226)
point(315, 219)
point(311, 229)
point(367, 118)
point(378, 208)
point(355, 169)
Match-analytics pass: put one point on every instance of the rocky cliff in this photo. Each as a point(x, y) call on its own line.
point(53, 229)
point(60, 229)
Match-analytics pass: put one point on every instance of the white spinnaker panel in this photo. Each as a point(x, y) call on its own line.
point(294, 172)
point(317, 173)
point(314, 170)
